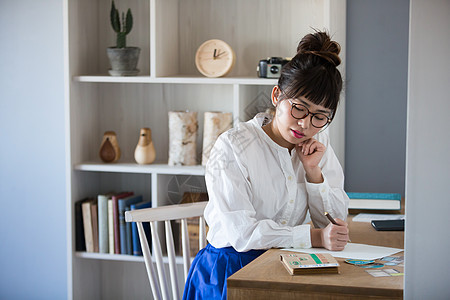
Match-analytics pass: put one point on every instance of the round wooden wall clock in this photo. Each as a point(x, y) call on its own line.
point(214, 58)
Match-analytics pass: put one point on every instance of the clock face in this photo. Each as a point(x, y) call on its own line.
point(214, 58)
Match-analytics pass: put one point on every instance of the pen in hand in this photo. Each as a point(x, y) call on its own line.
point(329, 217)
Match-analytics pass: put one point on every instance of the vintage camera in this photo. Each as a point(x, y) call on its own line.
point(271, 67)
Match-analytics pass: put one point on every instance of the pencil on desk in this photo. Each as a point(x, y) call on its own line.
point(333, 221)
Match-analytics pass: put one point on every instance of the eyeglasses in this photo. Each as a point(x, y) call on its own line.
point(299, 111)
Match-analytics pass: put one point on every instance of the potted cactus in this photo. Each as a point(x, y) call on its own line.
point(123, 59)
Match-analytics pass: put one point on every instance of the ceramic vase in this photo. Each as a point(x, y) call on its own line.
point(109, 149)
point(145, 150)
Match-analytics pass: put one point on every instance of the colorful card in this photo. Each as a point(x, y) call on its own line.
point(358, 262)
point(385, 273)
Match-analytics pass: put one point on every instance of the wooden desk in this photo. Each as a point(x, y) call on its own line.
point(266, 278)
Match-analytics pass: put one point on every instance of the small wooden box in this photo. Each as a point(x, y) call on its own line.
point(193, 230)
point(193, 223)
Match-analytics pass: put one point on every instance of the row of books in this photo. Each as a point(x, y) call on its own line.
point(101, 227)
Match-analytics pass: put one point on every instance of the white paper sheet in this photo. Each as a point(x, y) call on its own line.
point(353, 250)
point(369, 217)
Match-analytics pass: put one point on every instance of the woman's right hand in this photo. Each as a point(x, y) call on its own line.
point(335, 237)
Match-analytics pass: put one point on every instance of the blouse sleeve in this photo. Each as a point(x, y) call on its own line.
point(230, 213)
point(328, 196)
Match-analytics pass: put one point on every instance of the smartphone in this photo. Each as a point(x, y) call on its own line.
point(389, 225)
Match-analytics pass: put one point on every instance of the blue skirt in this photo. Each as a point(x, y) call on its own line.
point(207, 278)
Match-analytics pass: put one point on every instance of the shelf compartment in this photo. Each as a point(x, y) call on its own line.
point(125, 108)
point(254, 29)
point(90, 33)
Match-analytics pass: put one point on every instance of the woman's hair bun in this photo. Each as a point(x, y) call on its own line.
point(320, 44)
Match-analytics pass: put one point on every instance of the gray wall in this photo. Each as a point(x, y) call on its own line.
point(427, 240)
point(376, 95)
point(32, 157)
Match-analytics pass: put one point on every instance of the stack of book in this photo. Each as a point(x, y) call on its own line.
point(374, 201)
point(101, 227)
point(192, 223)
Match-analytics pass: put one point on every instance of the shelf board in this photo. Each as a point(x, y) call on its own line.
point(123, 257)
point(176, 79)
point(220, 80)
point(114, 79)
point(107, 256)
point(142, 169)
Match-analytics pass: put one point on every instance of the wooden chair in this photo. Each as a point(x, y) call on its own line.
point(167, 214)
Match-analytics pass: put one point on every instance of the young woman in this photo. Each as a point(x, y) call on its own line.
point(264, 175)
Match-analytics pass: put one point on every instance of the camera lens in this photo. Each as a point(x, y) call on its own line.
point(274, 69)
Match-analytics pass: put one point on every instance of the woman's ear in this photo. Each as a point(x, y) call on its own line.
point(275, 95)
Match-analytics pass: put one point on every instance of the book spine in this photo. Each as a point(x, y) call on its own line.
point(375, 196)
point(137, 251)
point(116, 221)
point(116, 224)
point(103, 238)
point(136, 244)
point(110, 226)
point(125, 227)
point(94, 217)
point(87, 224)
point(122, 228)
point(128, 229)
point(80, 244)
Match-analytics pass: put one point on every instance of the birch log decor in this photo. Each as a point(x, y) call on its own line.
point(183, 128)
point(215, 124)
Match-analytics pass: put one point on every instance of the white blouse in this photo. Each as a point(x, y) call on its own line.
point(258, 193)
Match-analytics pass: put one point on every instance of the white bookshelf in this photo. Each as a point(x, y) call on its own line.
point(168, 33)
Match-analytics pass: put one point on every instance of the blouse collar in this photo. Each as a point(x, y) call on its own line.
point(260, 120)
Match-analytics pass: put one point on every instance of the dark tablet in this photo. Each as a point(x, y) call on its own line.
point(389, 225)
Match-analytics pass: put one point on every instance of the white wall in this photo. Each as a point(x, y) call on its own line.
point(32, 159)
point(427, 258)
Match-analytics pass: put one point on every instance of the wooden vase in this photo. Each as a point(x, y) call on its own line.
point(183, 128)
point(109, 149)
point(145, 150)
point(215, 123)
